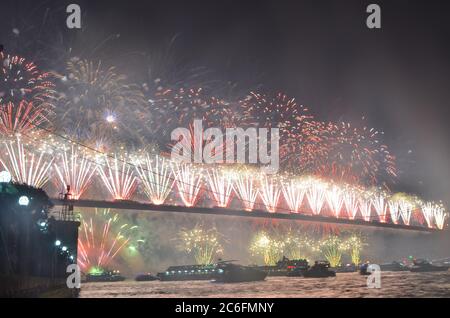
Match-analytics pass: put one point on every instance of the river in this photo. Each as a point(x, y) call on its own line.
point(393, 284)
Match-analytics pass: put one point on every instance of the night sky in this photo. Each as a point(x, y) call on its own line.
point(321, 52)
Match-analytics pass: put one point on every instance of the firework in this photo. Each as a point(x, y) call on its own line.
point(354, 244)
point(332, 248)
point(203, 244)
point(99, 103)
point(406, 208)
point(440, 216)
point(351, 203)
point(379, 203)
point(356, 155)
point(365, 206)
point(294, 192)
point(26, 95)
point(189, 183)
point(178, 108)
point(245, 187)
point(118, 178)
point(316, 195)
point(157, 178)
point(297, 246)
point(335, 199)
point(273, 111)
point(394, 209)
point(25, 166)
point(221, 185)
point(75, 171)
point(269, 248)
point(270, 193)
point(101, 239)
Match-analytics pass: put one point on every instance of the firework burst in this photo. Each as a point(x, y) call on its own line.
point(335, 199)
point(269, 248)
point(203, 244)
point(26, 95)
point(101, 239)
point(316, 195)
point(294, 193)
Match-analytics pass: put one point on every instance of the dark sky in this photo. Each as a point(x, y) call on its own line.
point(319, 51)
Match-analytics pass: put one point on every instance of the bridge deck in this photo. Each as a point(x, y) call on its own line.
point(133, 205)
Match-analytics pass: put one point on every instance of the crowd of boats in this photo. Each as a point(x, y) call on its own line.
point(230, 272)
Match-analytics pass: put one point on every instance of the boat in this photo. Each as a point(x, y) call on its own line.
point(394, 267)
point(147, 277)
point(347, 268)
point(319, 269)
point(284, 267)
point(188, 272)
point(104, 276)
point(228, 272)
point(422, 266)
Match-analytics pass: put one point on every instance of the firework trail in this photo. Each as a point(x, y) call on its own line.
point(351, 203)
point(24, 166)
point(270, 193)
point(245, 187)
point(365, 206)
point(394, 209)
point(335, 199)
point(316, 195)
point(221, 185)
point(118, 179)
point(75, 171)
point(294, 193)
point(405, 211)
point(440, 216)
point(379, 203)
point(428, 210)
point(189, 183)
point(354, 244)
point(332, 248)
point(26, 95)
point(101, 238)
point(157, 178)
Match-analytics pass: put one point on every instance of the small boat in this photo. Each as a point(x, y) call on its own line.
point(394, 267)
point(104, 276)
point(347, 268)
point(285, 267)
point(422, 266)
point(233, 273)
point(319, 269)
point(148, 277)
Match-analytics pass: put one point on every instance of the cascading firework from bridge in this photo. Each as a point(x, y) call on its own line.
point(75, 170)
point(25, 165)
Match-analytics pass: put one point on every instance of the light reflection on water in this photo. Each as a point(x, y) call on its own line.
point(393, 284)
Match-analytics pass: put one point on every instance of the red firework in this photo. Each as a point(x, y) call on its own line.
point(26, 95)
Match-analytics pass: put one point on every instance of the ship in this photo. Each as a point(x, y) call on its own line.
point(147, 277)
point(104, 276)
point(228, 272)
point(284, 267)
point(394, 267)
point(319, 269)
point(422, 265)
point(188, 272)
